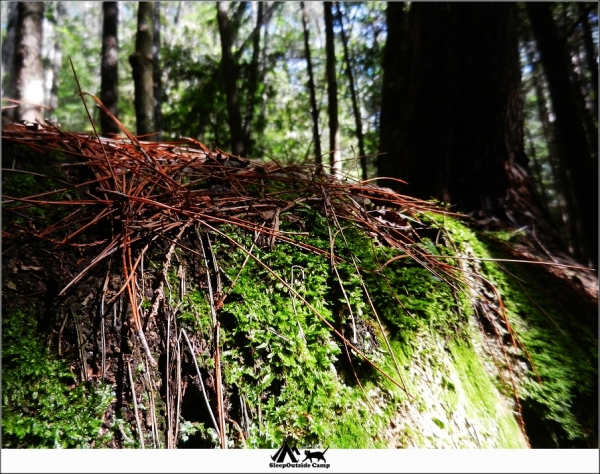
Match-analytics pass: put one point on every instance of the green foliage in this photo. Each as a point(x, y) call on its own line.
point(78, 41)
point(41, 405)
point(200, 111)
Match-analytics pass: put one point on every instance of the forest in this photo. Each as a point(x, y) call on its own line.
point(222, 197)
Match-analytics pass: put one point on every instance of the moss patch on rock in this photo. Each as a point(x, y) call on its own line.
point(448, 349)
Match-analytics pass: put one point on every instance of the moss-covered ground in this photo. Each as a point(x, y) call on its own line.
point(287, 376)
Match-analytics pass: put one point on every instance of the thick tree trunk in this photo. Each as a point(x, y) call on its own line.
point(394, 67)
point(353, 95)
point(461, 130)
point(571, 139)
point(27, 69)
point(335, 158)
point(109, 68)
point(314, 111)
point(229, 74)
point(143, 70)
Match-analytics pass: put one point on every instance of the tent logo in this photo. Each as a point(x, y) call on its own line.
point(284, 451)
point(289, 457)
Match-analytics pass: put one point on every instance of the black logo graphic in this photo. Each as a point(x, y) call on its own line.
point(284, 451)
point(288, 457)
point(319, 456)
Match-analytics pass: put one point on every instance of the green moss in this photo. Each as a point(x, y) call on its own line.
point(560, 337)
point(40, 406)
point(293, 374)
point(485, 403)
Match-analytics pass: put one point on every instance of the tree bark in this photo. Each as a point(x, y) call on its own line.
point(27, 70)
point(335, 158)
point(353, 95)
point(571, 139)
point(314, 111)
point(394, 69)
point(230, 74)
point(143, 70)
point(109, 68)
point(461, 124)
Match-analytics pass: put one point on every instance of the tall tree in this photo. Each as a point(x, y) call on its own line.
point(143, 70)
point(561, 183)
point(353, 94)
point(253, 78)
point(8, 48)
point(109, 67)
point(27, 70)
point(229, 74)
point(335, 158)
point(158, 88)
point(571, 138)
point(394, 70)
point(461, 124)
point(314, 111)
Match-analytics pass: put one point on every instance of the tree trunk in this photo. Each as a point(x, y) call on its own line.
point(27, 79)
point(461, 130)
point(229, 74)
point(558, 180)
point(335, 158)
point(561, 184)
point(253, 80)
point(158, 89)
point(143, 70)
point(353, 95)
point(394, 67)
point(314, 111)
point(571, 139)
point(8, 48)
point(109, 68)
point(581, 88)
